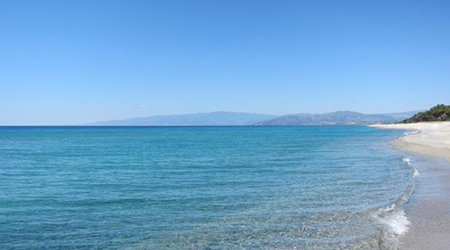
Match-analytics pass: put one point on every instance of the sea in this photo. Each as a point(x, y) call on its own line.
point(306, 187)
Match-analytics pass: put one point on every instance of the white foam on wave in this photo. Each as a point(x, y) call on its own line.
point(410, 133)
point(416, 173)
point(397, 222)
point(394, 216)
point(407, 160)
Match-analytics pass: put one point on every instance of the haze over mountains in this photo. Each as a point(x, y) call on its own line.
point(222, 118)
point(335, 118)
point(219, 118)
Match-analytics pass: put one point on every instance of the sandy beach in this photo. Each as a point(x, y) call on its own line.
point(425, 138)
point(429, 208)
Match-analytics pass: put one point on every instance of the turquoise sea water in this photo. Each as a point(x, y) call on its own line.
point(201, 187)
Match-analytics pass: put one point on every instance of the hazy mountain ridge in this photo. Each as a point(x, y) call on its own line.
point(219, 118)
point(222, 118)
point(336, 118)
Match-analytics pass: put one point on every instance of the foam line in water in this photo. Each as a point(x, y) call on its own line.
point(410, 133)
point(397, 222)
point(407, 160)
point(394, 217)
point(415, 173)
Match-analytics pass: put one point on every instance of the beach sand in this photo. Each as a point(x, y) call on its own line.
point(429, 207)
point(433, 138)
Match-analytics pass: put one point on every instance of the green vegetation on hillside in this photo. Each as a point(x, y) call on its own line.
point(440, 112)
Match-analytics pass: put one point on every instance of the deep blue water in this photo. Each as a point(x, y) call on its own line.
point(200, 187)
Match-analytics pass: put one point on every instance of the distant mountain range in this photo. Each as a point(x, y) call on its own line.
point(219, 118)
point(222, 118)
point(335, 118)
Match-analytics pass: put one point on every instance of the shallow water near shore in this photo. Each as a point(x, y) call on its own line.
point(202, 187)
point(429, 208)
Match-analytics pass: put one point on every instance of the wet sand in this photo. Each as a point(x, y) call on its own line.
point(429, 207)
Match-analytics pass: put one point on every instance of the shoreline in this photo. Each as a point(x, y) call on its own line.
point(431, 138)
point(428, 211)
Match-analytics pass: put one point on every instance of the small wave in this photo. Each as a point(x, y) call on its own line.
point(415, 173)
point(396, 221)
point(407, 160)
point(395, 224)
point(410, 133)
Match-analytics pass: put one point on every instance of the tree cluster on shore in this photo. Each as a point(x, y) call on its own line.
point(440, 112)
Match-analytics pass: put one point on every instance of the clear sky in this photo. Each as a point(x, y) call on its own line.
point(73, 62)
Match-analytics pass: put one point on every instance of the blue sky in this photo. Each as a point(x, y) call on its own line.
point(73, 62)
